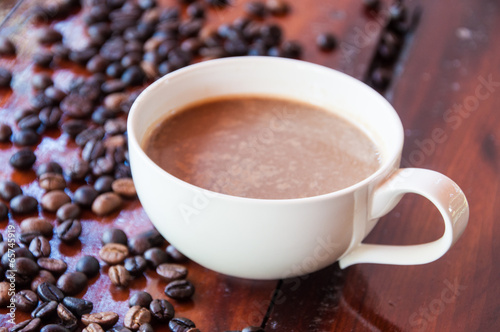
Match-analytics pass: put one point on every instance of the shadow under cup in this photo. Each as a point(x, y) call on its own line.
point(258, 238)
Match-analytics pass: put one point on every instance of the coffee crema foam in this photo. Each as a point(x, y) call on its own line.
point(262, 147)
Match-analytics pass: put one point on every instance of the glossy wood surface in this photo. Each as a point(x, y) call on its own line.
point(445, 62)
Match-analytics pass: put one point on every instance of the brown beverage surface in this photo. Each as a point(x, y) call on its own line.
point(262, 147)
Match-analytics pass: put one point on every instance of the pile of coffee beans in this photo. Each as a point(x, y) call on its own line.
point(130, 43)
point(390, 44)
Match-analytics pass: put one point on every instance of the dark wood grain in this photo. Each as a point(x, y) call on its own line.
point(220, 302)
point(452, 52)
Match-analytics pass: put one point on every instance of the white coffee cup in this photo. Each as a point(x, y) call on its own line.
point(270, 239)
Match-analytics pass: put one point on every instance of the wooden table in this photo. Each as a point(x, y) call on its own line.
point(449, 66)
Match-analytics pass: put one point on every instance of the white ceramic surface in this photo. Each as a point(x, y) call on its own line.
point(269, 239)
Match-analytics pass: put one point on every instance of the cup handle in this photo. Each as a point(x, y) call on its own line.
point(441, 191)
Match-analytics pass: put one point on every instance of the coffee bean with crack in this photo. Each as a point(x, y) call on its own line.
point(26, 300)
point(54, 265)
point(136, 316)
point(119, 276)
point(76, 106)
point(68, 320)
point(49, 292)
point(40, 247)
point(105, 319)
point(69, 230)
point(113, 253)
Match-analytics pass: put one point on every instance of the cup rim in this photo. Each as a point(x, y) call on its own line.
point(387, 162)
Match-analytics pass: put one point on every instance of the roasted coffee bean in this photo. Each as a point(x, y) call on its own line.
point(145, 240)
point(101, 115)
point(124, 187)
point(162, 310)
point(97, 64)
point(50, 116)
point(26, 300)
point(53, 200)
point(30, 325)
point(68, 211)
point(93, 150)
point(131, 59)
point(291, 49)
point(193, 329)
point(31, 121)
point(102, 165)
point(133, 76)
point(72, 283)
point(24, 112)
point(277, 7)
point(113, 253)
point(78, 170)
point(41, 81)
point(69, 230)
point(49, 292)
point(68, 320)
point(85, 195)
point(4, 211)
point(326, 41)
point(40, 247)
point(55, 94)
point(106, 203)
point(256, 9)
point(105, 319)
point(43, 276)
point(27, 237)
point(54, 328)
point(23, 204)
point(7, 47)
point(73, 127)
point(155, 257)
point(114, 101)
point(52, 181)
point(103, 184)
point(49, 167)
point(146, 328)
point(179, 289)
point(140, 298)
point(175, 254)
point(60, 51)
point(114, 235)
point(9, 190)
point(113, 86)
point(5, 132)
point(45, 310)
point(97, 13)
point(170, 272)
point(13, 253)
point(48, 35)
point(119, 276)
point(5, 246)
point(253, 329)
point(78, 306)
point(136, 316)
point(5, 78)
point(43, 58)
point(135, 265)
point(93, 327)
point(76, 106)
point(88, 265)
point(39, 101)
point(25, 137)
point(4, 293)
point(180, 324)
point(371, 4)
point(37, 224)
point(115, 126)
point(113, 49)
point(54, 265)
point(84, 55)
point(89, 135)
point(115, 70)
point(380, 78)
